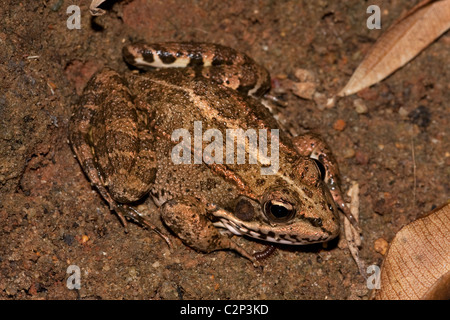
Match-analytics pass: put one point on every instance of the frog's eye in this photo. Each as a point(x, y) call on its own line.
point(277, 211)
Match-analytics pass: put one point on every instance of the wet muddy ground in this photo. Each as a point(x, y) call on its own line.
point(392, 139)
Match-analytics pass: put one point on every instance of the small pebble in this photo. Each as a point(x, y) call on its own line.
point(68, 239)
point(331, 102)
point(304, 90)
point(403, 112)
point(339, 125)
point(84, 239)
point(133, 272)
point(348, 153)
point(321, 100)
point(361, 157)
point(304, 75)
point(360, 106)
point(381, 245)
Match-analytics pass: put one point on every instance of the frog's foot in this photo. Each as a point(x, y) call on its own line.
point(226, 243)
point(187, 218)
point(313, 146)
point(125, 211)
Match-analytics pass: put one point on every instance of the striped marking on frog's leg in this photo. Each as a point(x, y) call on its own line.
point(219, 63)
point(88, 117)
point(311, 145)
point(80, 136)
point(83, 151)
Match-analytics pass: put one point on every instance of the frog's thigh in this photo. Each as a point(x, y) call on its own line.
point(123, 146)
point(87, 127)
point(187, 219)
point(134, 179)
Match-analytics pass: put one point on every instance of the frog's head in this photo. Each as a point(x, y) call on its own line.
point(295, 208)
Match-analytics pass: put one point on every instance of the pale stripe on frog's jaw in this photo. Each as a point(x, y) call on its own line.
point(228, 221)
point(241, 230)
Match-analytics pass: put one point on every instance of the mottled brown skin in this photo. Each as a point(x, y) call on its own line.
point(121, 135)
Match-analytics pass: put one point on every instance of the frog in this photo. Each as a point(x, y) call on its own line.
point(122, 129)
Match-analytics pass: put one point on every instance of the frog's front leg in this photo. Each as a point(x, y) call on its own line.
point(188, 219)
point(311, 145)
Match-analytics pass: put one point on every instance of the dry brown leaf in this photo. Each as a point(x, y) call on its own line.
point(417, 265)
point(407, 36)
point(94, 8)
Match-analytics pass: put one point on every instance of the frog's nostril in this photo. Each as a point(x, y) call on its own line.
point(316, 222)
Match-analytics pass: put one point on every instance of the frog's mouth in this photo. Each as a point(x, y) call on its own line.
point(240, 230)
point(266, 231)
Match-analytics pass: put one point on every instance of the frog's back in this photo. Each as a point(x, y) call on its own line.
point(179, 97)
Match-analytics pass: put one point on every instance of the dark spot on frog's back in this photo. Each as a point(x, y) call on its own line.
point(260, 182)
point(316, 222)
point(196, 60)
point(224, 55)
point(308, 192)
point(166, 57)
point(147, 55)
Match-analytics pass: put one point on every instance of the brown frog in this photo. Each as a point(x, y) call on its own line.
point(122, 133)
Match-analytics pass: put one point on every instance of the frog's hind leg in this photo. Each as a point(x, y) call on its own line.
point(110, 140)
point(221, 64)
point(124, 210)
point(80, 133)
point(311, 145)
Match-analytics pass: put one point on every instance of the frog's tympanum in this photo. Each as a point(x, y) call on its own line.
point(121, 133)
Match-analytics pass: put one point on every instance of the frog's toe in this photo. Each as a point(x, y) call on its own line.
point(124, 211)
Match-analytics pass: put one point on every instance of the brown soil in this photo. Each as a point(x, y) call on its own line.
point(51, 218)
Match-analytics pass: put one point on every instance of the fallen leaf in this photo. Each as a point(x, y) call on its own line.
point(417, 264)
point(402, 41)
point(94, 8)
